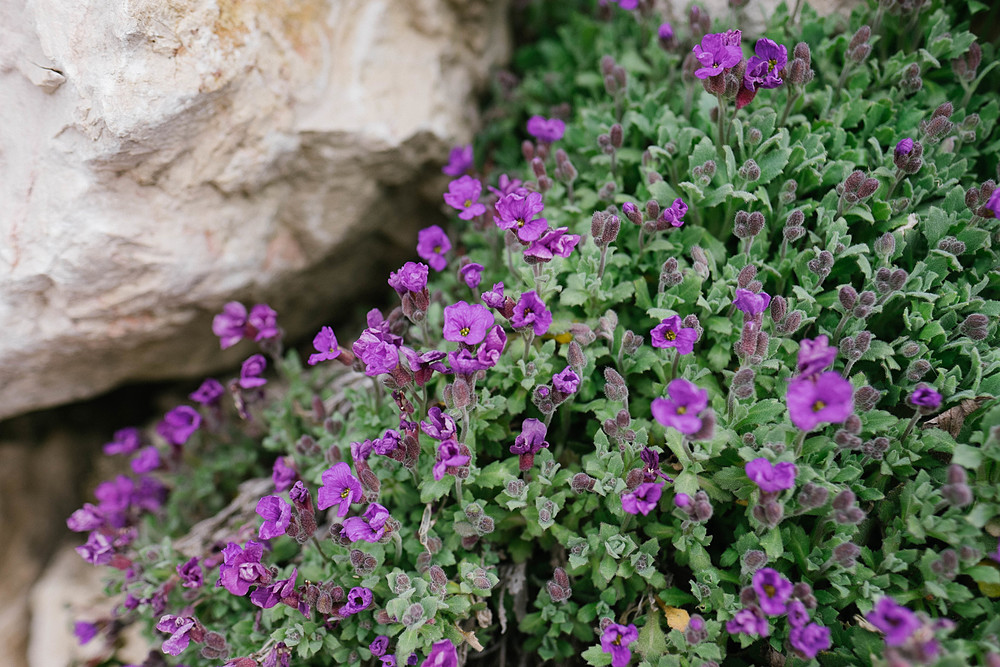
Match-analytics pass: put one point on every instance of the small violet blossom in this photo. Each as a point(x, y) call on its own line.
point(771, 478)
point(230, 324)
point(566, 381)
point(460, 160)
point(815, 356)
point(379, 646)
point(826, 398)
point(772, 589)
point(681, 409)
point(85, 519)
point(178, 425)
point(242, 567)
point(546, 130)
point(903, 148)
point(441, 426)
point(750, 303)
point(896, 621)
point(191, 573)
point(810, 640)
point(494, 298)
point(389, 442)
point(716, 53)
point(340, 488)
point(147, 460)
point(432, 246)
point(615, 641)
point(554, 243)
point(125, 441)
point(517, 212)
point(423, 365)
point(443, 654)
point(674, 214)
point(98, 550)
point(925, 396)
point(269, 596)
point(488, 354)
point(250, 372)
point(449, 455)
point(277, 514)
point(263, 321)
point(471, 274)
point(764, 68)
point(463, 195)
point(179, 628)
point(529, 442)
point(326, 346)
point(748, 622)
point(370, 527)
point(670, 333)
point(411, 277)
point(209, 393)
point(282, 475)
point(84, 631)
point(530, 311)
point(506, 185)
point(358, 599)
point(643, 500)
point(467, 323)
point(993, 203)
point(651, 471)
point(378, 352)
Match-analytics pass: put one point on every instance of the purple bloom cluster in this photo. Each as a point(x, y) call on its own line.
point(717, 52)
point(546, 130)
point(771, 478)
point(234, 324)
point(125, 441)
point(764, 68)
point(339, 488)
point(242, 567)
point(531, 311)
point(277, 514)
point(250, 372)
point(467, 323)
point(432, 246)
point(643, 500)
point(460, 160)
point(517, 212)
point(815, 356)
point(822, 398)
point(326, 346)
point(179, 424)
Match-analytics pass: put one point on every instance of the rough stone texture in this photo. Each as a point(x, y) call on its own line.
point(162, 158)
point(754, 13)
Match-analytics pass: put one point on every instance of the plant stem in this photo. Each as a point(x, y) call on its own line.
point(319, 547)
point(788, 106)
point(677, 361)
point(911, 424)
point(799, 442)
point(604, 258)
point(722, 122)
point(840, 328)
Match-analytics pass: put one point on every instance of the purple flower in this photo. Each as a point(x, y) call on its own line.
point(764, 68)
point(810, 639)
point(442, 654)
point(460, 160)
point(424, 365)
point(652, 471)
point(326, 346)
point(358, 599)
point(125, 441)
point(494, 298)
point(389, 660)
point(432, 245)
point(554, 243)
point(815, 355)
point(993, 204)
point(98, 549)
point(463, 195)
point(251, 370)
point(369, 527)
point(277, 514)
point(178, 424)
point(84, 631)
point(749, 622)
point(771, 478)
point(230, 324)
point(546, 130)
point(627, 4)
point(665, 32)
point(471, 274)
point(681, 410)
point(339, 488)
point(530, 311)
point(488, 354)
point(506, 185)
point(269, 596)
point(147, 460)
point(209, 393)
point(566, 382)
point(242, 567)
point(441, 426)
point(379, 646)
point(264, 321)
point(750, 303)
point(411, 277)
point(903, 148)
point(531, 440)
point(772, 589)
point(449, 454)
point(178, 627)
point(389, 442)
point(191, 573)
point(615, 641)
point(149, 494)
point(644, 499)
point(826, 398)
point(282, 475)
point(715, 55)
point(466, 322)
point(85, 519)
point(897, 622)
point(517, 212)
point(115, 496)
point(674, 214)
point(379, 354)
point(925, 396)
point(670, 333)
point(798, 617)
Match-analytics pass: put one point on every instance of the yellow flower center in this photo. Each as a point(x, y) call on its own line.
point(437, 250)
point(468, 203)
point(464, 331)
point(771, 64)
point(770, 590)
point(520, 222)
point(346, 492)
point(670, 335)
point(617, 641)
point(818, 405)
point(681, 410)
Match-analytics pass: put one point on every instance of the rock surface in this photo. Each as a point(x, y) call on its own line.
point(167, 157)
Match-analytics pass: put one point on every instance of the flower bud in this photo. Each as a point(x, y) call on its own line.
point(844, 500)
point(632, 212)
point(617, 135)
point(812, 496)
point(754, 137)
point(846, 554)
point(792, 234)
point(750, 171)
point(778, 308)
point(582, 482)
point(917, 369)
point(862, 35)
point(885, 245)
point(791, 322)
point(652, 209)
point(865, 398)
point(847, 296)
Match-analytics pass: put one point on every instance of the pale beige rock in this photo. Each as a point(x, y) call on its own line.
point(754, 14)
point(161, 158)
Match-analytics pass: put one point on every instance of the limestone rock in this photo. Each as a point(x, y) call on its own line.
point(162, 158)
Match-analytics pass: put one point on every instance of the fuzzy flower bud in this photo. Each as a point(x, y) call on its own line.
point(846, 554)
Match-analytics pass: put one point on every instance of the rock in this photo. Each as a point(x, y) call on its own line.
point(753, 15)
point(171, 157)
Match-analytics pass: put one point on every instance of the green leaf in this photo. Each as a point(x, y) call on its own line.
point(772, 165)
point(652, 641)
point(772, 543)
point(967, 457)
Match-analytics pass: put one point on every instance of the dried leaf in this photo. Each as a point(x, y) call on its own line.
point(677, 618)
point(951, 420)
point(470, 638)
